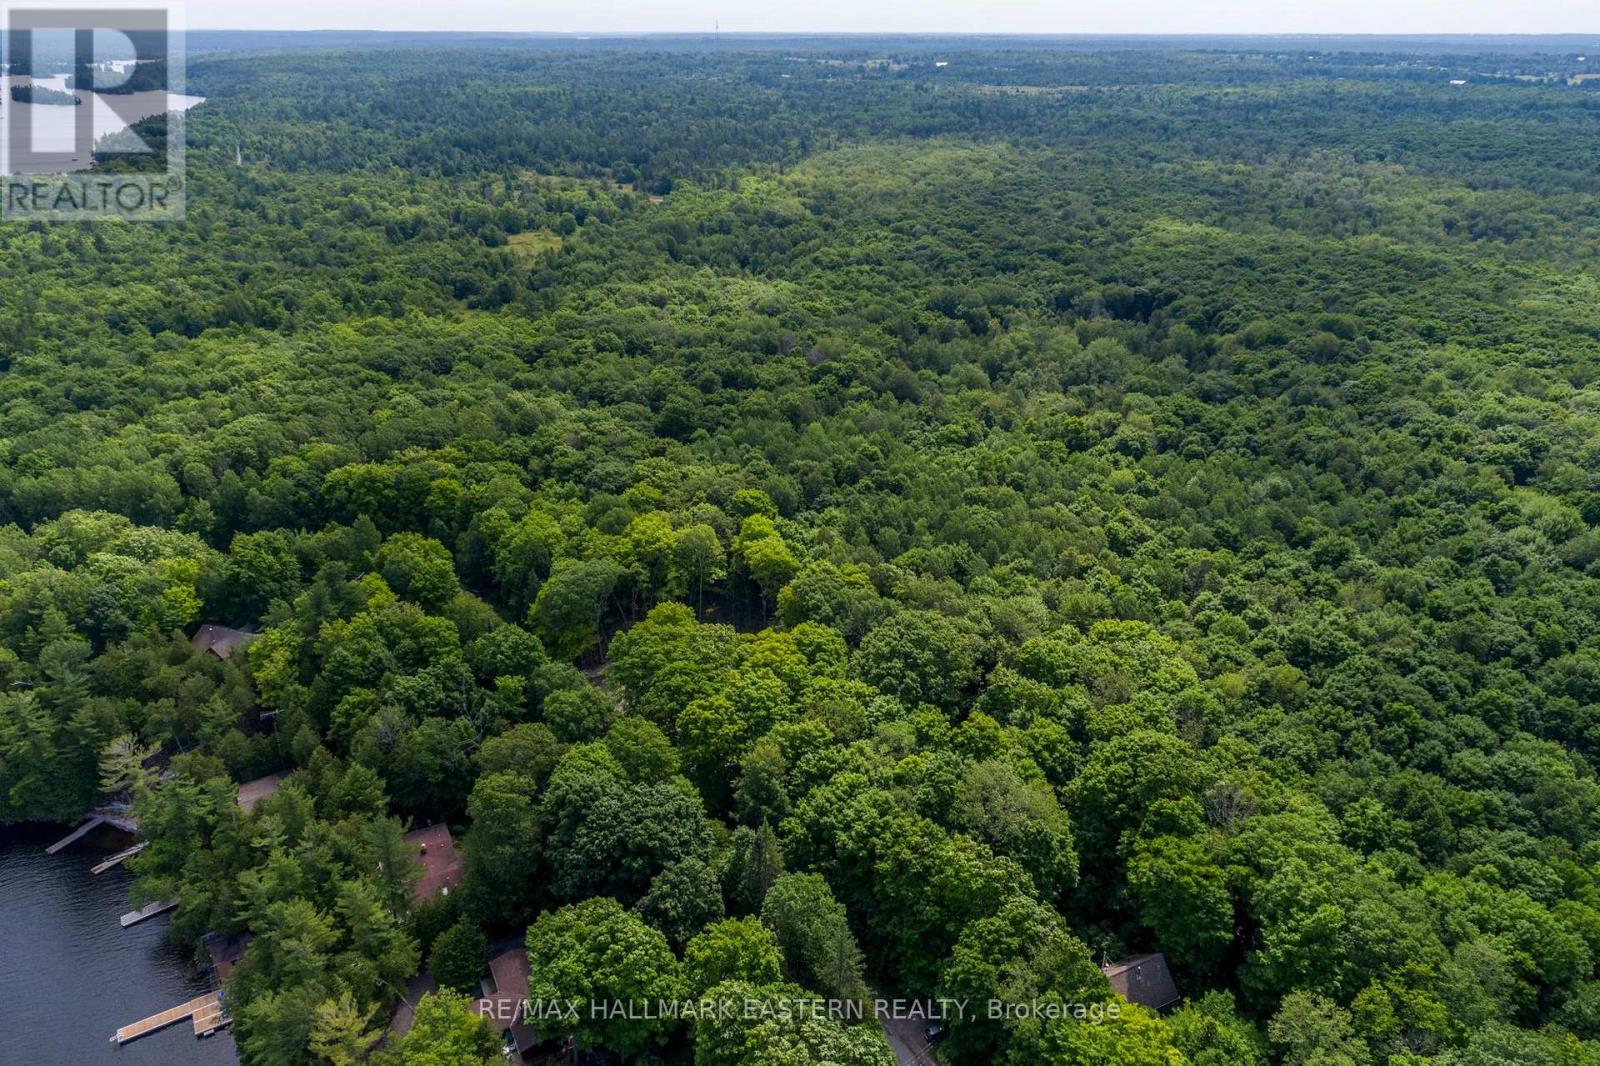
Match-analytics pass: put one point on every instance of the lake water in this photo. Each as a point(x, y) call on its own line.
point(52, 125)
point(70, 976)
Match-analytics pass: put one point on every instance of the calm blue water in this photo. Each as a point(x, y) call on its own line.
point(70, 976)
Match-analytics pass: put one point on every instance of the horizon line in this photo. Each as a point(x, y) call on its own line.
point(1054, 34)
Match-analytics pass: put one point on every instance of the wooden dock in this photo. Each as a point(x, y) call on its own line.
point(76, 835)
point(207, 1005)
point(128, 853)
point(150, 910)
point(208, 1020)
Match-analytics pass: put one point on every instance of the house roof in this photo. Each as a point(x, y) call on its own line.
point(253, 792)
point(220, 640)
point(1143, 979)
point(441, 862)
point(405, 1011)
point(505, 995)
point(226, 951)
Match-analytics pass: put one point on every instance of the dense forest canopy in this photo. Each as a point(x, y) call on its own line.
point(841, 520)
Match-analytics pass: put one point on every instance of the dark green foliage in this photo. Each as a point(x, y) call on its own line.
point(601, 834)
point(919, 657)
point(39, 94)
point(578, 714)
point(754, 864)
point(818, 949)
point(459, 957)
point(683, 898)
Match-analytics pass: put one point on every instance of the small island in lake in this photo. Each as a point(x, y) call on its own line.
point(39, 94)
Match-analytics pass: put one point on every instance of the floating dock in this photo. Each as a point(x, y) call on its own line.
point(150, 910)
point(119, 857)
point(210, 1019)
point(201, 1006)
point(76, 835)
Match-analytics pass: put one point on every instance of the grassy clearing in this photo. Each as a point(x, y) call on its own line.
point(534, 243)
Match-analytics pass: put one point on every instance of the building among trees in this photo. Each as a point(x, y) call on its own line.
point(441, 862)
point(505, 995)
point(220, 640)
point(1143, 979)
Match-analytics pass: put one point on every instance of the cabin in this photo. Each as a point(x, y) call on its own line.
point(1143, 979)
point(220, 640)
point(441, 862)
point(226, 952)
point(504, 999)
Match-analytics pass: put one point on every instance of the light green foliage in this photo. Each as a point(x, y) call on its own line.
point(122, 765)
point(761, 795)
point(734, 949)
point(1018, 819)
point(1311, 1031)
point(842, 597)
point(667, 660)
point(642, 750)
point(697, 560)
point(764, 555)
point(1181, 887)
point(530, 749)
point(1134, 1037)
point(578, 714)
point(769, 1034)
point(595, 952)
point(1022, 953)
point(1210, 1032)
point(929, 886)
point(446, 1030)
point(341, 1034)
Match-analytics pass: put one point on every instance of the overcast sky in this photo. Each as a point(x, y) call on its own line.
point(942, 16)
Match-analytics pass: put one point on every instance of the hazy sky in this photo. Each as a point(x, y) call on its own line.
point(946, 16)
